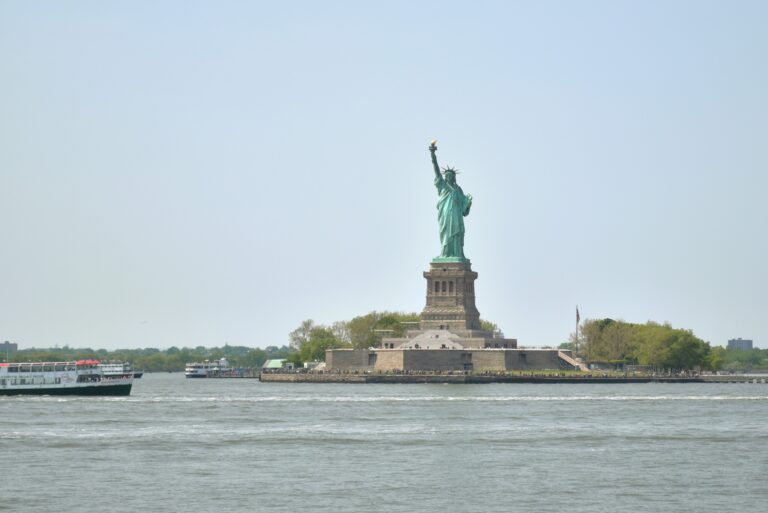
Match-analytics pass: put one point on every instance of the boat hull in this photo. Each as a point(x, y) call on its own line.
point(119, 389)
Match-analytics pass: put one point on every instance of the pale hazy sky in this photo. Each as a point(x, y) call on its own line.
point(200, 173)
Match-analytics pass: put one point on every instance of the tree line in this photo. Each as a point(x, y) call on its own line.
point(600, 340)
point(659, 346)
point(739, 360)
point(172, 359)
point(308, 343)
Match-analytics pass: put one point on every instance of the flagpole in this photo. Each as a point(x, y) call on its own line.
point(576, 342)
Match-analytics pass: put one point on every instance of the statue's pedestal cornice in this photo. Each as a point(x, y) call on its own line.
point(451, 260)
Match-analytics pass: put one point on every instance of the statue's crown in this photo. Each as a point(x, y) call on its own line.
point(449, 169)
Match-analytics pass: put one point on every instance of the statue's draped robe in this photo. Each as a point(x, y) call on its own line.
point(452, 206)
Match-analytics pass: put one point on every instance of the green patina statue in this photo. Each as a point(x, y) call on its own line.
point(452, 206)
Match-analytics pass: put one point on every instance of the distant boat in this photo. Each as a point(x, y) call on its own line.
point(82, 377)
point(208, 369)
point(121, 368)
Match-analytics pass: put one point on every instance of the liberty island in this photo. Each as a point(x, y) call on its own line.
point(450, 344)
point(449, 336)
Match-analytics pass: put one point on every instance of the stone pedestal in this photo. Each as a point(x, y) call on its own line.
point(450, 298)
point(450, 319)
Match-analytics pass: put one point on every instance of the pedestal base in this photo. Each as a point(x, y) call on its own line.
point(450, 297)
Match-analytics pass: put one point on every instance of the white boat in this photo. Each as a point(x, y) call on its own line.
point(82, 377)
point(208, 369)
point(113, 368)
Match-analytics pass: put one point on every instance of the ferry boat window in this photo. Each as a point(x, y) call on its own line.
point(59, 368)
point(13, 368)
point(48, 368)
point(2, 382)
point(24, 368)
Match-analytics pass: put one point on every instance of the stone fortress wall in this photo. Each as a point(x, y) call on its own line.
point(475, 360)
point(450, 337)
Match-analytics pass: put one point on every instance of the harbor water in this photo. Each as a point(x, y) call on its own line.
point(215, 445)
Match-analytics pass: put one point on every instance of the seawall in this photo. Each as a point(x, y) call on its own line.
point(479, 378)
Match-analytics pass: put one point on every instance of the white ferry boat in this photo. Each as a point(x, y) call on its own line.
point(83, 377)
point(112, 368)
point(208, 369)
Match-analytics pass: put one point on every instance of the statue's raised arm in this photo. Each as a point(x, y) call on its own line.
point(432, 151)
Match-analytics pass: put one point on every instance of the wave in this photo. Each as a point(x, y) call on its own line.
point(391, 399)
point(376, 399)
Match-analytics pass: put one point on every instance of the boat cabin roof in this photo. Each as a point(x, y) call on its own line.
point(78, 362)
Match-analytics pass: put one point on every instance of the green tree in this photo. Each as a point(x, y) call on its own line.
point(361, 334)
point(254, 358)
point(300, 335)
point(716, 358)
point(340, 330)
point(492, 327)
point(295, 359)
point(618, 342)
point(367, 330)
point(686, 351)
point(650, 344)
point(738, 360)
point(320, 339)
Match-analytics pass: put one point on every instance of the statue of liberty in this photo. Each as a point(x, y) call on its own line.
point(452, 206)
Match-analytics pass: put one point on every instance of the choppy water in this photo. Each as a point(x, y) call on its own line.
point(239, 445)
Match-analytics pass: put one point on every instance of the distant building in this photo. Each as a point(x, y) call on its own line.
point(740, 344)
point(277, 364)
point(6, 347)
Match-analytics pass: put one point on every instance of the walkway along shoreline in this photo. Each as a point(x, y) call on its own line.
point(273, 377)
